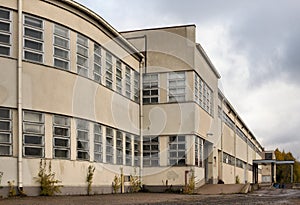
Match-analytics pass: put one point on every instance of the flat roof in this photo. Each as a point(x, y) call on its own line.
point(270, 161)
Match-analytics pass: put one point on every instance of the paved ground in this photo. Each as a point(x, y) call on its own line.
point(274, 197)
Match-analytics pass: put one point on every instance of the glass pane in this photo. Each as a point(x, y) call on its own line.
point(4, 26)
point(33, 128)
point(5, 150)
point(33, 33)
point(82, 155)
point(61, 64)
point(98, 138)
point(60, 120)
point(61, 42)
point(33, 45)
point(97, 49)
point(61, 142)
point(61, 153)
point(82, 40)
point(82, 145)
point(97, 59)
point(82, 61)
point(5, 138)
point(4, 50)
point(82, 125)
point(4, 126)
point(4, 14)
point(98, 157)
point(33, 151)
point(4, 113)
point(98, 148)
point(31, 139)
point(33, 22)
point(61, 31)
point(4, 38)
point(61, 53)
point(82, 135)
point(33, 56)
point(82, 51)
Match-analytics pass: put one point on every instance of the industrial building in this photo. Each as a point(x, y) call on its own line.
point(75, 91)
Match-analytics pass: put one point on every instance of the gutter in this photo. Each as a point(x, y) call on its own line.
point(20, 96)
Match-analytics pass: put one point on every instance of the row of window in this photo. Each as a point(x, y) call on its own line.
point(176, 153)
point(34, 139)
point(239, 132)
point(176, 87)
point(228, 159)
point(88, 65)
point(203, 95)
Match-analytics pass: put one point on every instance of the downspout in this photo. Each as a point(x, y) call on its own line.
point(141, 118)
point(222, 143)
point(20, 97)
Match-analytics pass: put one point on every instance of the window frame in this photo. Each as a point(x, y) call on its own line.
point(62, 48)
point(153, 155)
point(41, 40)
point(85, 57)
point(98, 143)
point(151, 88)
point(41, 135)
point(7, 33)
point(177, 151)
point(110, 146)
point(67, 137)
point(86, 129)
point(175, 96)
point(9, 133)
point(97, 75)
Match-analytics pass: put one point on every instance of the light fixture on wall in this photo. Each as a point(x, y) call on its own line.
point(209, 134)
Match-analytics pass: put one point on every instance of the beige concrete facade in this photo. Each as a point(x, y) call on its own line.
point(76, 92)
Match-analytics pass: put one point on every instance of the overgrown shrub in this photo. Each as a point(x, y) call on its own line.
point(116, 183)
point(89, 178)
point(237, 179)
point(135, 183)
point(190, 187)
point(12, 190)
point(46, 178)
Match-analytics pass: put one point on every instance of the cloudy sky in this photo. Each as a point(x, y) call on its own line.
point(255, 45)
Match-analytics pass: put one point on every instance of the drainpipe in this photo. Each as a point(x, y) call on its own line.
point(142, 63)
point(20, 97)
point(222, 143)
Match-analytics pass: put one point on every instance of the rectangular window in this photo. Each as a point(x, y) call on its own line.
point(137, 152)
point(198, 152)
point(98, 143)
point(177, 150)
point(136, 85)
point(33, 39)
point(150, 88)
point(151, 151)
point(109, 146)
point(61, 46)
point(5, 32)
point(109, 71)
point(119, 76)
point(83, 140)
point(177, 87)
point(128, 82)
point(5, 132)
point(97, 63)
point(82, 55)
point(61, 137)
point(128, 150)
point(33, 134)
point(203, 95)
point(119, 147)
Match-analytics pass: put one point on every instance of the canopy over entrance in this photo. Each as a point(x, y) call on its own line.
point(272, 162)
